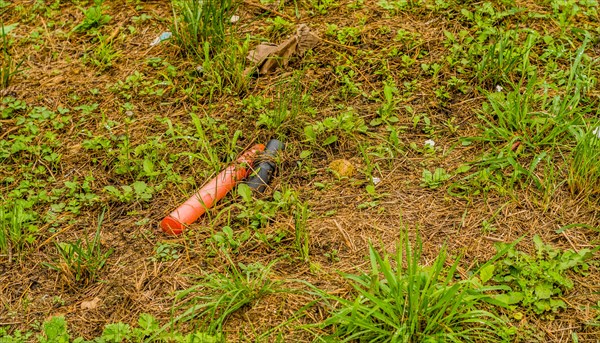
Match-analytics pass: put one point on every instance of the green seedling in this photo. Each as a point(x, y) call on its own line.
point(434, 180)
point(165, 252)
point(137, 191)
point(93, 18)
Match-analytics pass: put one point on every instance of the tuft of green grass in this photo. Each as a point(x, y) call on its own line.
point(16, 229)
point(198, 22)
point(81, 261)
point(584, 170)
point(8, 67)
point(400, 300)
point(218, 295)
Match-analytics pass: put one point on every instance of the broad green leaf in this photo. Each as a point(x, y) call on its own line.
point(330, 139)
point(245, 192)
point(487, 273)
point(510, 298)
point(543, 290)
point(7, 28)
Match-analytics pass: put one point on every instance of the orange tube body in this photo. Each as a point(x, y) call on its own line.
point(209, 194)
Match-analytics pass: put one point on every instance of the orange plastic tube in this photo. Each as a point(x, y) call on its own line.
point(210, 193)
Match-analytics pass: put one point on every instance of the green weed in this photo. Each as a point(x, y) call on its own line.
point(165, 252)
point(504, 56)
point(102, 55)
point(148, 329)
point(8, 66)
point(536, 282)
point(347, 123)
point(435, 179)
point(81, 261)
point(584, 170)
point(257, 213)
point(402, 301)
point(223, 72)
point(302, 238)
point(137, 191)
point(197, 24)
point(93, 18)
point(17, 229)
point(216, 296)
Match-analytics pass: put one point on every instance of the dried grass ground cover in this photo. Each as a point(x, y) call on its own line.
point(102, 135)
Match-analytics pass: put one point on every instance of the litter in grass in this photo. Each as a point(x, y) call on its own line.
point(210, 193)
point(265, 169)
point(267, 57)
point(90, 304)
point(342, 168)
point(163, 36)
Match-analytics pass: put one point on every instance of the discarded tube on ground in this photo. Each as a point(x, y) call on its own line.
point(265, 169)
point(210, 193)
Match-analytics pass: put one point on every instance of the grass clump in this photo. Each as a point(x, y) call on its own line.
point(81, 261)
point(198, 22)
point(401, 300)
point(17, 229)
point(8, 66)
point(584, 171)
point(218, 295)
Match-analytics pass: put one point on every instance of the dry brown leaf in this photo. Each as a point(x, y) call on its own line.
point(90, 304)
point(306, 39)
point(267, 57)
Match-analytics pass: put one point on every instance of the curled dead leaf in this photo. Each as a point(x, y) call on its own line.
point(90, 304)
point(267, 57)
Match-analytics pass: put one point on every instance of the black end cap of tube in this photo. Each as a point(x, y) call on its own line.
point(265, 169)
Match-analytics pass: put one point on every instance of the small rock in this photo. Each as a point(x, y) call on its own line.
point(343, 168)
point(234, 19)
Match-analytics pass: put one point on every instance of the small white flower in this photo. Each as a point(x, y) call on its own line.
point(597, 132)
point(376, 180)
point(430, 143)
point(499, 88)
